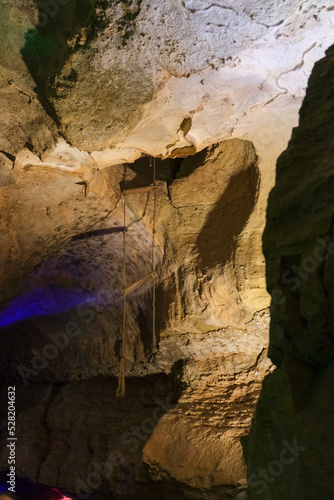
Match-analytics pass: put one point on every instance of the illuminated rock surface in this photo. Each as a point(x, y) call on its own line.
point(212, 90)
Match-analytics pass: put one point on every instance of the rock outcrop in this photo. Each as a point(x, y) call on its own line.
point(90, 90)
point(60, 337)
point(176, 431)
point(124, 77)
point(290, 448)
point(76, 259)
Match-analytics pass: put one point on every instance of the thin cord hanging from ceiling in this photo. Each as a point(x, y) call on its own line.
point(128, 289)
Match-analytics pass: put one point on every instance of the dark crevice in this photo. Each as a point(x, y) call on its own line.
point(99, 232)
point(8, 155)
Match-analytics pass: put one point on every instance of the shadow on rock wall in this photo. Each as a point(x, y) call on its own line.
point(290, 449)
point(218, 238)
point(53, 39)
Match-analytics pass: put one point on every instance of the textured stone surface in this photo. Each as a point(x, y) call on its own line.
point(295, 405)
point(213, 204)
point(95, 86)
point(23, 120)
point(128, 74)
point(207, 337)
point(178, 433)
point(198, 441)
point(156, 50)
point(200, 216)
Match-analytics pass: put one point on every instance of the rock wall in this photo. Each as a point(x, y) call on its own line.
point(89, 90)
point(61, 335)
point(122, 77)
point(290, 450)
point(61, 332)
point(68, 257)
point(176, 433)
point(64, 326)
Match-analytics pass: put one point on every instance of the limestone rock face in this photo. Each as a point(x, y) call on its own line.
point(63, 327)
point(62, 315)
point(176, 431)
point(159, 47)
point(23, 120)
point(198, 441)
point(212, 205)
point(89, 91)
point(199, 217)
point(291, 438)
point(121, 77)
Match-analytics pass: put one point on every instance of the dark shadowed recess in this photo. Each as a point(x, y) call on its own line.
point(173, 491)
point(166, 170)
point(126, 424)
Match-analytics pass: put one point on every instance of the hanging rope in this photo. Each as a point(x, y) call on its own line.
point(121, 377)
point(154, 339)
